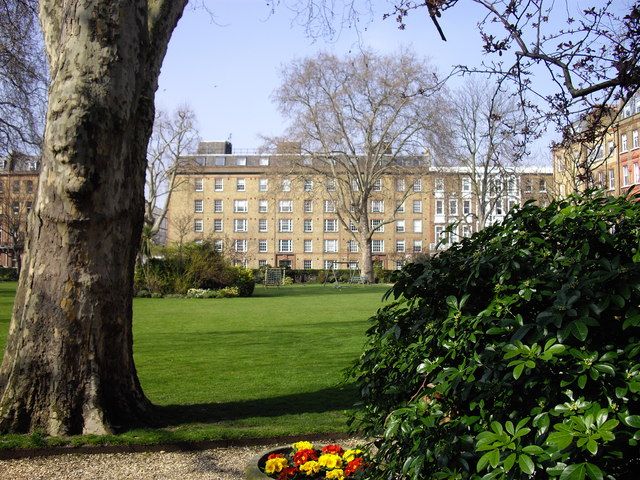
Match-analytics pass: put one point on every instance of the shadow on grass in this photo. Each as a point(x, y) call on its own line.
point(328, 399)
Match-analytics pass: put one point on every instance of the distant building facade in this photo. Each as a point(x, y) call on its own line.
point(614, 159)
point(18, 187)
point(259, 215)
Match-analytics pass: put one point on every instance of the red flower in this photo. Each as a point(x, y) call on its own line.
point(287, 473)
point(303, 456)
point(333, 449)
point(353, 466)
point(275, 455)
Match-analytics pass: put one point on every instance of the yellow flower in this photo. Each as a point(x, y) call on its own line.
point(302, 446)
point(350, 455)
point(336, 474)
point(275, 465)
point(310, 468)
point(329, 460)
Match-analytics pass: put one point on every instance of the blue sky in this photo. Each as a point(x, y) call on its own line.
point(227, 69)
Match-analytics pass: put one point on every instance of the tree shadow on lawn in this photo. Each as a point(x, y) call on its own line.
point(328, 399)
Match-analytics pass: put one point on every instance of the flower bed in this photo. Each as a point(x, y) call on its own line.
point(303, 461)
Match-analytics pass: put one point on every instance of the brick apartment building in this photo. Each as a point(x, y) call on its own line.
point(18, 187)
point(259, 213)
point(615, 159)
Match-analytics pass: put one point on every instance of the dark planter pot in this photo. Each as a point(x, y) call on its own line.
point(254, 469)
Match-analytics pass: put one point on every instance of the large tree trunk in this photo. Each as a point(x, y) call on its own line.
point(68, 366)
point(366, 270)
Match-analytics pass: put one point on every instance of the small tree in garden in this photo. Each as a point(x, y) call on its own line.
point(515, 353)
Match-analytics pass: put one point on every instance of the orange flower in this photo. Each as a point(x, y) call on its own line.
point(303, 456)
point(353, 466)
point(288, 473)
point(333, 449)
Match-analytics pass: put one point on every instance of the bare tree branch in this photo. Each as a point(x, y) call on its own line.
point(359, 119)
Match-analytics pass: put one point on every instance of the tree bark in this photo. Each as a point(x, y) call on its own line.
point(68, 366)
point(366, 271)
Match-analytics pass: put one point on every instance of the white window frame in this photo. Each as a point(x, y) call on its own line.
point(417, 185)
point(198, 206)
point(612, 179)
point(377, 185)
point(308, 206)
point(263, 206)
point(285, 242)
point(330, 225)
point(263, 185)
point(218, 184)
point(401, 246)
point(308, 185)
point(198, 184)
point(263, 246)
point(263, 225)
point(329, 206)
point(241, 185)
point(400, 226)
point(625, 175)
point(218, 206)
point(307, 246)
point(198, 225)
point(352, 246)
point(285, 225)
point(401, 185)
point(286, 185)
point(330, 246)
point(285, 206)
point(377, 206)
point(453, 206)
point(377, 225)
point(417, 226)
point(466, 207)
point(240, 225)
point(417, 206)
point(307, 225)
point(218, 225)
point(377, 246)
point(240, 206)
point(240, 245)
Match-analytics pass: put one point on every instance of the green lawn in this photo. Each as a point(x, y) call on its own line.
point(263, 366)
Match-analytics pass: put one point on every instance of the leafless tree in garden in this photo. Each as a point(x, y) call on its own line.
point(359, 118)
point(483, 133)
point(68, 365)
point(23, 78)
point(174, 135)
point(590, 50)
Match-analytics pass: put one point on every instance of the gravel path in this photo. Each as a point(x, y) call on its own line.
point(214, 464)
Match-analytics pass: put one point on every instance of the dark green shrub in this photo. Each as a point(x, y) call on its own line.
point(207, 268)
point(513, 354)
point(8, 274)
point(193, 266)
point(243, 280)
